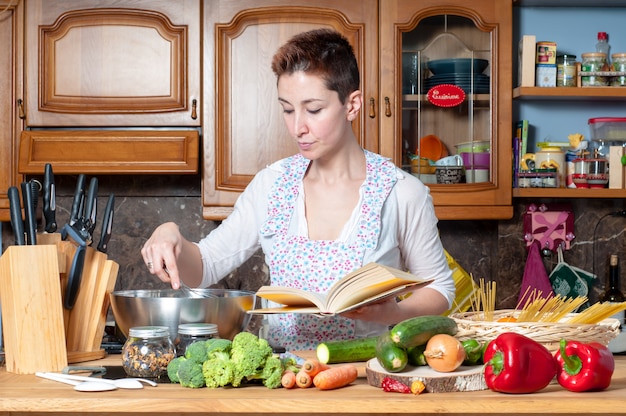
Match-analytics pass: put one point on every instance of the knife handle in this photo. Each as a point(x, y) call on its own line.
point(16, 215)
point(107, 224)
point(89, 216)
point(49, 199)
point(74, 277)
point(77, 202)
point(29, 214)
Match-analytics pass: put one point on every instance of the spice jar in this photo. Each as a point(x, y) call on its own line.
point(619, 65)
point(147, 351)
point(594, 62)
point(190, 333)
point(566, 71)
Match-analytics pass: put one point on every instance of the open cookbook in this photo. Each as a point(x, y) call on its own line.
point(370, 283)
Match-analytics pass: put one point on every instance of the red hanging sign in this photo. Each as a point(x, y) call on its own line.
point(446, 95)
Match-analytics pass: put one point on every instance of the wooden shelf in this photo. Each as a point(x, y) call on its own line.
point(568, 193)
point(568, 3)
point(570, 93)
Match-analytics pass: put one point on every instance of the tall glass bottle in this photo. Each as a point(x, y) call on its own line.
point(612, 292)
point(603, 46)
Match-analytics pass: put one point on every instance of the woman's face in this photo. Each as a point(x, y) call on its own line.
point(314, 115)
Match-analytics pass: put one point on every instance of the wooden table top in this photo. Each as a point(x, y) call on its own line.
point(31, 395)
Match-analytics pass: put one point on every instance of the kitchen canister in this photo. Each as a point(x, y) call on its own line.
point(190, 333)
point(147, 351)
point(552, 158)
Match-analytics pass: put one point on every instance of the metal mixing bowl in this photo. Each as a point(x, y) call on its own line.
point(168, 307)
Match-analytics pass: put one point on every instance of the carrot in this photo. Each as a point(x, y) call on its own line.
point(303, 379)
point(335, 377)
point(313, 367)
point(288, 379)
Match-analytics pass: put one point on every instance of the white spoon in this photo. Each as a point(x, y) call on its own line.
point(122, 383)
point(79, 385)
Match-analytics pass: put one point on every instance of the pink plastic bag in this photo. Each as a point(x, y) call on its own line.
point(535, 283)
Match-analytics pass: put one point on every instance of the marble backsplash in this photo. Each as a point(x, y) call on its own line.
point(490, 250)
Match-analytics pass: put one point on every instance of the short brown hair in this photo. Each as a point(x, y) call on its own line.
point(322, 52)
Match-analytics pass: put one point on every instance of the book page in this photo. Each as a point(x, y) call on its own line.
point(292, 296)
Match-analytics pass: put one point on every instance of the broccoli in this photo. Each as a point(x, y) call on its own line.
point(290, 363)
point(218, 372)
point(172, 369)
point(218, 348)
point(190, 374)
point(248, 354)
point(197, 352)
point(271, 373)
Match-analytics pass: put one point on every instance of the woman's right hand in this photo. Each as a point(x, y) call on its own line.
point(160, 253)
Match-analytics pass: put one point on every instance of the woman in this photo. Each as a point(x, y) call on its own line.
point(322, 213)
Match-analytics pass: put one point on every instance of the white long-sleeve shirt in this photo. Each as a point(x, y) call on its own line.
point(408, 240)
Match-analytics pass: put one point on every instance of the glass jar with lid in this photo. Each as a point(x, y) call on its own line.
point(147, 351)
point(619, 65)
point(190, 333)
point(594, 62)
point(566, 71)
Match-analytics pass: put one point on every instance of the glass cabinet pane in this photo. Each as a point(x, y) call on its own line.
point(447, 101)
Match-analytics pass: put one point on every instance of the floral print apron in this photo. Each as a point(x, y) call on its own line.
point(314, 265)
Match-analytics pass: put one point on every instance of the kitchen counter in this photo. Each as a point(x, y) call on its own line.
point(31, 395)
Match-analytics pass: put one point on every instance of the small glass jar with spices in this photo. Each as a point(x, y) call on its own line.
point(566, 71)
point(594, 62)
point(190, 333)
point(147, 351)
point(619, 65)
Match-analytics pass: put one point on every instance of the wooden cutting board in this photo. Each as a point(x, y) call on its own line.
point(466, 378)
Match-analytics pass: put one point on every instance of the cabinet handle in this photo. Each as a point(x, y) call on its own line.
point(372, 108)
point(194, 109)
point(387, 107)
point(20, 108)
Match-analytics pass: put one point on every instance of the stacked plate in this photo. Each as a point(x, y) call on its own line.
point(464, 81)
point(459, 72)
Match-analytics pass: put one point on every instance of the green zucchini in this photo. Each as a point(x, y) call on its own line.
point(416, 355)
point(418, 330)
point(390, 355)
point(347, 351)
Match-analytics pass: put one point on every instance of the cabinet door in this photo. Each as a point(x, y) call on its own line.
point(112, 63)
point(11, 38)
point(446, 76)
point(243, 128)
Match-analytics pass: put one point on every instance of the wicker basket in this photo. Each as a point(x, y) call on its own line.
point(472, 325)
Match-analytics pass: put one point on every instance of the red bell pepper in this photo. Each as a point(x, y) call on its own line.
point(584, 366)
point(515, 363)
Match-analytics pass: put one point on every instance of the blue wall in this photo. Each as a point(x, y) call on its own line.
point(575, 30)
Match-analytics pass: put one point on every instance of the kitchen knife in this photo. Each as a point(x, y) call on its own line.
point(29, 214)
point(107, 224)
point(16, 216)
point(49, 200)
point(76, 269)
point(90, 211)
point(77, 202)
point(74, 277)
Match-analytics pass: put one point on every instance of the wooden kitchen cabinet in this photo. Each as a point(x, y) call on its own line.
point(11, 38)
point(129, 71)
point(243, 128)
point(243, 125)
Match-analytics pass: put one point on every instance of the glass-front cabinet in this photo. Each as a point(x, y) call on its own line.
point(436, 83)
point(450, 121)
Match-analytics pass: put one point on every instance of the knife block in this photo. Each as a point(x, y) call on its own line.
point(32, 309)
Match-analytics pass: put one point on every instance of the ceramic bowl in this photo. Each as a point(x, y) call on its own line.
point(431, 148)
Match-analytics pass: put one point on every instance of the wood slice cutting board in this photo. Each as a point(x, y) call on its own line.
point(466, 378)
